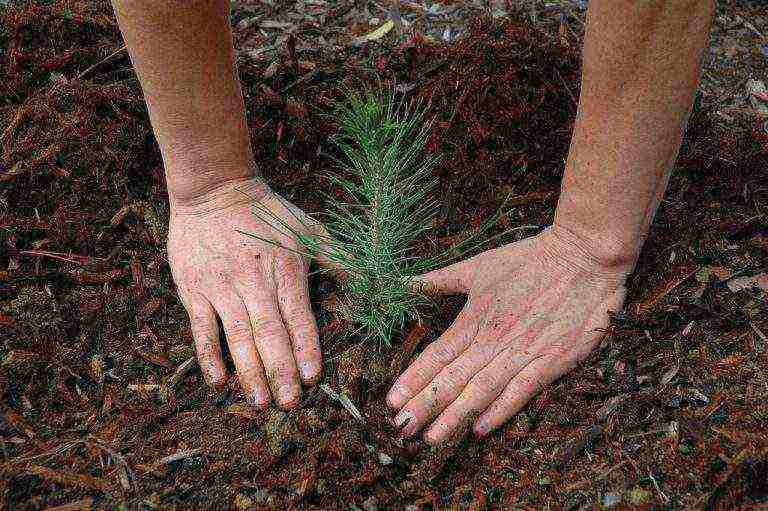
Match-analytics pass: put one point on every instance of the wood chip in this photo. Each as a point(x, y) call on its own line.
point(72, 479)
point(741, 283)
point(662, 291)
point(611, 406)
point(282, 25)
point(345, 402)
point(79, 505)
point(375, 34)
point(175, 379)
point(191, 453)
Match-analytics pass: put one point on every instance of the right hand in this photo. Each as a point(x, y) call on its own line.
point(257, 289)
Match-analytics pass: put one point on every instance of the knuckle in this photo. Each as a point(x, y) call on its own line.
point(304, 328)
point(531, 384)
point(454, 378)
point(290, 266)
point(239, 332)
point(442, 354)
point(270, 329)
point(203, 335)
point(251, 373)
point(206, 356)
point(485, 382)
point(506, 402)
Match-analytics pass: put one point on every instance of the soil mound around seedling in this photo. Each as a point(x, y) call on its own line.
point(100, 404)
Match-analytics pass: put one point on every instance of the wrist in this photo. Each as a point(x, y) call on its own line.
point(220, 193)
point(199, 166)
point(601, 254)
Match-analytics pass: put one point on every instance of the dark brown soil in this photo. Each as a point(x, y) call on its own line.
point(670, 412)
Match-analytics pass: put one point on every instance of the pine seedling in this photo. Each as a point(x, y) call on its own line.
point(387, 207)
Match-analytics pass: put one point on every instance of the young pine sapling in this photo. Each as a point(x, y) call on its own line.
point(371, 234)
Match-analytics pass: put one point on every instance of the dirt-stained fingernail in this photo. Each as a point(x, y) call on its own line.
point(431, 436)
point(260, 399)
point(405, 420)
point(409, 428)
point(288, 396)
point(482, 427)
point(308, 371)
point(396, 396)
point(214, 378)
point(402, 417)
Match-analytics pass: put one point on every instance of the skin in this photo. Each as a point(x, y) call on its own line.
point(183, 55)
point(535, 308)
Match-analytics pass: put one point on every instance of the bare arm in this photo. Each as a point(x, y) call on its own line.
point(537, 307)
point(182, 51)
point(641, 68)
point(183, 54)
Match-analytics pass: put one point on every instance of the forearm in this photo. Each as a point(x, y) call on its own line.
point(641, 68)
point(182, 52)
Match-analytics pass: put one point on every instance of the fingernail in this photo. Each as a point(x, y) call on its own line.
point(259, 399)
point(482, 428)
point(308, 371)
point(409, 428)
point(401, 417)
point(430, 436)
point(288, 395)
point(396, 396)
point(405, 420)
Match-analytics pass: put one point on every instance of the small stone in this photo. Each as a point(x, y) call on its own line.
point(675, 402)
point(611, 499)
point(673, 429)
point(370, 504)
point(262, 496)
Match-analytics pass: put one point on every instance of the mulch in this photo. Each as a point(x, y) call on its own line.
point(102, 403)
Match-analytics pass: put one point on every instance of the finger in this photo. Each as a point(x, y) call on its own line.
point(453, 279)
point(273, 344)
point(482, 390)
point(205, 332)
point(293, 300)
point(435, 357)
point(446, 387)
point(237, 327)
point(299, 221)
point(528, 382)
point(503, 327)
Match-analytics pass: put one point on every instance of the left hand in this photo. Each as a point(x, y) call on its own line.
point(535, 309)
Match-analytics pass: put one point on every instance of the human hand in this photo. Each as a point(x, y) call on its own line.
point(257, 289)
point(535, 309)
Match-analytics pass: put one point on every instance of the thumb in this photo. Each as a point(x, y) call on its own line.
point(323, 251)
point(292, 221)
point(461, 277)
point(454, 279)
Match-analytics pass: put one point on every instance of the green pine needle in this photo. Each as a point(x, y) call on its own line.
point(372, 233)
